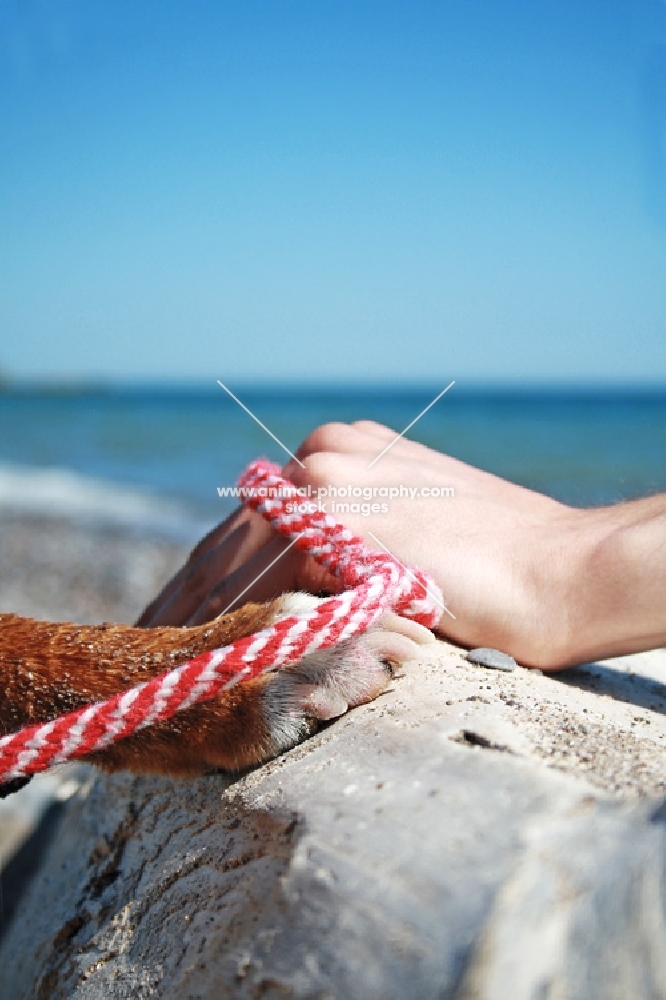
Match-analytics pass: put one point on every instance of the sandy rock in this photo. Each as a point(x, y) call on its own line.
point(473, 833)
point(389, 856)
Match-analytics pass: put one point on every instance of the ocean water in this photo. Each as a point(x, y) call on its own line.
point(584, 445)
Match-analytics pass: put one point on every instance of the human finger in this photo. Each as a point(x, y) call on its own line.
point(363, 437)
point(197, 578)
point(276, 568)
point(337, 437)
point(214, 537)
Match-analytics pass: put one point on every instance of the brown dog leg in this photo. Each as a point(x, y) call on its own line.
point(48, 669)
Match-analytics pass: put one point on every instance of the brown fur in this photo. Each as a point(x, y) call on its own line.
point(48, 669)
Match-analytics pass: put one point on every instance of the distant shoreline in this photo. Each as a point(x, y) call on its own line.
point(276, 387)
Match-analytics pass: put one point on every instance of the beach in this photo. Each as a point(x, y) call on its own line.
point(603, 723)
point(63, 569)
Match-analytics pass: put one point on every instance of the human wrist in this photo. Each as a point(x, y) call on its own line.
point(553, 589)
point(611, 576)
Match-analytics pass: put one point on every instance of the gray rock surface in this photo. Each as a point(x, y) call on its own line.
point(391, 856)
point(473, 834)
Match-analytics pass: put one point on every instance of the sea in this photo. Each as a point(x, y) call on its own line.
point(155, 454)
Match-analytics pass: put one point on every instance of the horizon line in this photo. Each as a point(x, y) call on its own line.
point(66, 384)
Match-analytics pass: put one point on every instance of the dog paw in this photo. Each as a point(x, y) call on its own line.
point(328, 682)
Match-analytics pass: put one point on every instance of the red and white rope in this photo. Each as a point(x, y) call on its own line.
point(376, 582)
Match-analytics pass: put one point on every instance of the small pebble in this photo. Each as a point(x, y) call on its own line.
point(492, 658)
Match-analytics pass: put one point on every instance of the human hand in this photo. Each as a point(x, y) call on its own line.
point(483, 545)
point(519, 571)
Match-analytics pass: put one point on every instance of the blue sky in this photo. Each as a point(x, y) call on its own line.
point(312, 189)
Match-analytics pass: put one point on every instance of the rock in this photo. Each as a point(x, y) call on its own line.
point(381, 859)
point(491, 733)
point(582, 916)
point(492, 658)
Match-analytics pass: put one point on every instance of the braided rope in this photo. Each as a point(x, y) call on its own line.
point(375, 582)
